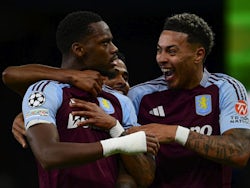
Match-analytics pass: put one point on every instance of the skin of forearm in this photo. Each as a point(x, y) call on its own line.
point(64, 155)
point(230, 149)
point(18, 78)
point(141, 167)
point(52, 153)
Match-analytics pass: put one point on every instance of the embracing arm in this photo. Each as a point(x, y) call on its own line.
point(51, 153)
point(18, 78)
point(44, 141)
point(232, 148)
point(141, 166)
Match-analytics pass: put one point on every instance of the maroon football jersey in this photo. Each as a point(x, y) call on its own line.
point(180, 108)
point(98, 174)
point(216, 105)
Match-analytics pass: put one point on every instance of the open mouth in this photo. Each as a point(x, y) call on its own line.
point(167, 72)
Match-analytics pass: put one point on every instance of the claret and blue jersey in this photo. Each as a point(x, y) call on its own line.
point(48, 102)
point(218, 104)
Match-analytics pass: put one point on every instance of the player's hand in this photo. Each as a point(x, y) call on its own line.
point(93, 113)
point(153, 145)
point(87, 80)
point(164, 133)
point(18, 130)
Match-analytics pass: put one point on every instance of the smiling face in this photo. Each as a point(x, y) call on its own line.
point(119, 81)
point(179, 60)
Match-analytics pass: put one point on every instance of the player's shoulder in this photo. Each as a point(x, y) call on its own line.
point(157, 84)
point(227, 85)
point(115, 93)
point(224, 80)
point(157, 81)
point(46, 84)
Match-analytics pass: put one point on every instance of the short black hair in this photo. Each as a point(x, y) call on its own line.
point(197, 29)
point(74, 27)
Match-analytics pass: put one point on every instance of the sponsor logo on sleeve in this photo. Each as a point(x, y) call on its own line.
point(241, 107)
point(37, 112)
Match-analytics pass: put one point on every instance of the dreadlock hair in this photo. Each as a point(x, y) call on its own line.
point(74, 27)
point(195, 27)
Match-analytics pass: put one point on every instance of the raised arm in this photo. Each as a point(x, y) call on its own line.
point(18, 78)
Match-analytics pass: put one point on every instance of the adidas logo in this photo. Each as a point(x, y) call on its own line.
point(158, 111)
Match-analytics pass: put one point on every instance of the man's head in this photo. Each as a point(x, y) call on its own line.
point(119, 81)
point(194, 26)
point(183, 46)
point(85, 42)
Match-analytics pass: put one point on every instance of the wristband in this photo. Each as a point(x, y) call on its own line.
point(124, 133)
point(117, 130)
point(129, 144)
point(181, 135)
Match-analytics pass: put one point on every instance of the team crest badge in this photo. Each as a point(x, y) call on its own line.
point(106, 105)
point(36, 99)
point(203, 104)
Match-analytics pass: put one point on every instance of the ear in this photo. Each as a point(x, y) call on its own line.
point(200, 54)
point(78, 49)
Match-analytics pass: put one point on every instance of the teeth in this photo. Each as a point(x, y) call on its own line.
point(167, 71)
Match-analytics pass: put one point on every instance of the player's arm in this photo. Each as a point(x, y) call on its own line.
point(124, 179)
point(44, 141)
point(43, 137)
point(19, 132)
point(18, 78)
point(51, 153)
point(231, 148)
point(140, 166)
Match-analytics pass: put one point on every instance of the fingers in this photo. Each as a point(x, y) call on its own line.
point(18, 130)
point(133, 129)
point(97, 85)
point(153, 145)
point(82, 104)
point(19, 136)
point(97, 88)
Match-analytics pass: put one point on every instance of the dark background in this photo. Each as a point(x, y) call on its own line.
point(27, 35)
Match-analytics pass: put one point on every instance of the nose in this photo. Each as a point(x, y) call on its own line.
point(121, 80)
point(162, 58)
point(114, 49)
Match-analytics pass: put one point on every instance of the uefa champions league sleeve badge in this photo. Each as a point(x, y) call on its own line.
point(36, 99)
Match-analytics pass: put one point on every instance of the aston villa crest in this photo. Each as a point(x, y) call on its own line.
point(203, 104)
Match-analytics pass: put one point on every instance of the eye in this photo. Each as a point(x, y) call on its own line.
point(114, 75)
point(158, 50)
point(125, 77)
point(172, 51)
point(105, 43)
